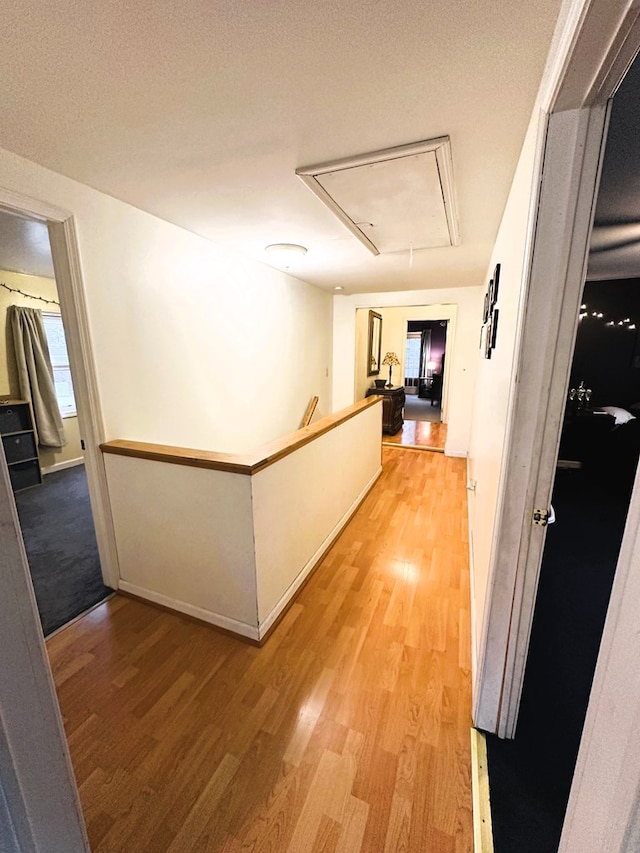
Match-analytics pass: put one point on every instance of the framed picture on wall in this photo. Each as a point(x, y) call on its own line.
point(494, 327)
point(493, 286)
point(489, 328)
point(374, 348)
point(487, 340)
point(487, 306)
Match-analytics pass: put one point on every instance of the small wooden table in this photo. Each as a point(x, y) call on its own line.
point(392, 406)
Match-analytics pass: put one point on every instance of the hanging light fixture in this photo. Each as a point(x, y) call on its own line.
point(285, 254)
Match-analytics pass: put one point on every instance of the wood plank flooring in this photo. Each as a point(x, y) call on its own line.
point(347, 731)
point(419, 434)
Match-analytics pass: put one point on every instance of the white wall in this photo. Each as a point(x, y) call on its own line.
point(301, 503)
point(185, 537)
point(496, 379)
point(463, 304)
point(193, 346)
point(232, 548)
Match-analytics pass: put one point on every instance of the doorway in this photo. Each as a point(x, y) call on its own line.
point(424, 365)
point(531, 777)
point(30, 717)
point(51, 496)
point(425, 352)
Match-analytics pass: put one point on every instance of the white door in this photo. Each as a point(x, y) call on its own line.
point(570, 172)
point(40, 807)
point(593, 52)
point(601, 39)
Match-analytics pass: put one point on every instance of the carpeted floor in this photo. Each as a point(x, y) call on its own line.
point(418, 409)
point(59, 537)
point(530, 777)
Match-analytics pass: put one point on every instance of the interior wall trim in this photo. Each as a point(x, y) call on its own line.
point(60, 466)
point(218, 620)
point(69, 280)
point(70, 285)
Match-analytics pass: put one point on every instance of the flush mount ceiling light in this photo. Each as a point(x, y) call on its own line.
point(393, 200)
point(285, 254)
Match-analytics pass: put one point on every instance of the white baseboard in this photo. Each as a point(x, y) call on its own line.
point(233, 625)
point(306, 570)
point(59, 466)
point(472, 599)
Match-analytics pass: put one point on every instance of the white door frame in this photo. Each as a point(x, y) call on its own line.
point(431, 312)
point(66, 262)
point(40, 808)
point(592, 52)
point(40, 799)
point(444, 399)
point(556, 278)
point(597, 45)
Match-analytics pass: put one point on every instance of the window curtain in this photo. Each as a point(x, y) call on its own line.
point(425, 354)
point(35, 374)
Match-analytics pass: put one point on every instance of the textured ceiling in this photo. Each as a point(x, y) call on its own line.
point(24, 246)
point(200, 112)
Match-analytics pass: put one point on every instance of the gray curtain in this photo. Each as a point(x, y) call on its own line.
point(35, 374)
point(425, 351)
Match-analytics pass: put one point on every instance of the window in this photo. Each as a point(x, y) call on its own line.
point(412, 355)
point(54, 331)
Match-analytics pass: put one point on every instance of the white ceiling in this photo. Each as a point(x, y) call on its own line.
point(24, 246)
point(200, 112)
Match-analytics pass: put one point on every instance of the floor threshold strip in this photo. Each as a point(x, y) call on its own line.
point(482, 832)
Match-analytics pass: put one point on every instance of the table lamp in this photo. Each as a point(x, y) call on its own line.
point(392, 360)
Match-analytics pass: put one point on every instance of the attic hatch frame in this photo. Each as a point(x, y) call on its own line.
point(441, 147)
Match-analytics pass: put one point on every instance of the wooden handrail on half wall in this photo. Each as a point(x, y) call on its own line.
point(239, 463)
point(310, 410)
point(230, 538)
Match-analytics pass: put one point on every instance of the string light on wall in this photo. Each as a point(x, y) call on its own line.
point(626, 322)
point(28, 295)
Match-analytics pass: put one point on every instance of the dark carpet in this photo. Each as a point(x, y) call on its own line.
point(420, 409)
point(530, 777)
point(60, 540)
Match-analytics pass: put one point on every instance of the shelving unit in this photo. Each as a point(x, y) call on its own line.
point(19, 442)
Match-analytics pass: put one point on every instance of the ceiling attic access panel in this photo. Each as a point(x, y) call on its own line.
point(392, 200)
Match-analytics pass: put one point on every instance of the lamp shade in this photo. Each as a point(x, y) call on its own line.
point(391, 359)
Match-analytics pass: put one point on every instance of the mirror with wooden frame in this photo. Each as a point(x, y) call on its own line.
point(374, 350)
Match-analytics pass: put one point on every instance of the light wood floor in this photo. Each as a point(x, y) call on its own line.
point(347, 731)
point(419, 434)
